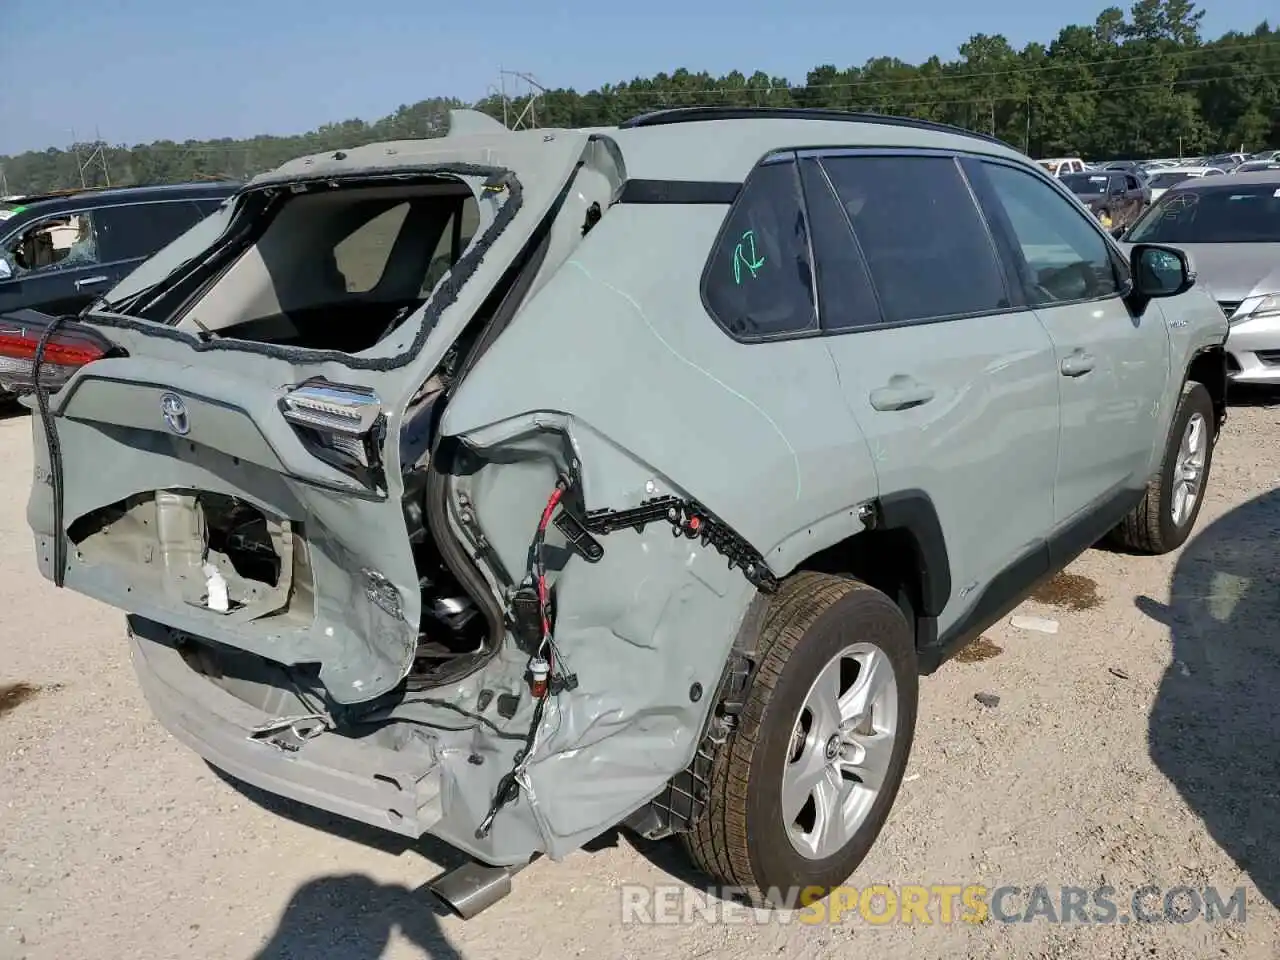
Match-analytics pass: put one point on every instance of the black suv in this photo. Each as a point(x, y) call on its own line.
point(57, 253)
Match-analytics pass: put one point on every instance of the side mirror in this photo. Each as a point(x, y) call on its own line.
point(1160, 271)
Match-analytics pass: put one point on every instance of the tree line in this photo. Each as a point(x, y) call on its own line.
point(1138, 85)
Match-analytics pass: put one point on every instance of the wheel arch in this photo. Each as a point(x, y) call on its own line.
point(901, 551)
point(1208, 366)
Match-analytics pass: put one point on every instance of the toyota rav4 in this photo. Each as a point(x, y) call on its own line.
point(512, 486)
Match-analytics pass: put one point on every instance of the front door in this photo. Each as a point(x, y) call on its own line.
point(54, 265)
point(1112, 365)
point(952, 381)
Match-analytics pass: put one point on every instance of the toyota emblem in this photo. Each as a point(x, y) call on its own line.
point(175, 413)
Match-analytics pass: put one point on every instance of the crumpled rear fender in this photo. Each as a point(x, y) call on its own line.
point(645, 630)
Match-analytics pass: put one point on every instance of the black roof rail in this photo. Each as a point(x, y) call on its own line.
point(659, 118)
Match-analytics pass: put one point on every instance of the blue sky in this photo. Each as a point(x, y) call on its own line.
point(141, 70)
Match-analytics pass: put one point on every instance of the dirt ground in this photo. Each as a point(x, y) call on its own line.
point(1138, 745)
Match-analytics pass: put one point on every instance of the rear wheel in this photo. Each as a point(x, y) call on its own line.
point(1164, 518)
point(801, 791)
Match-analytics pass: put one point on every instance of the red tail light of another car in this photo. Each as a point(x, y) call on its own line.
point(71, 347)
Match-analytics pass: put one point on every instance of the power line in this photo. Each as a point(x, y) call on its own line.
point(684, 99)
point(1226, 53)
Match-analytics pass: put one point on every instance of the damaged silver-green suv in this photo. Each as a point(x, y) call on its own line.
point(511, 486)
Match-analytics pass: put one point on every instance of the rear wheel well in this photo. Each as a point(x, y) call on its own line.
point(1209, 367)
point(887, 559)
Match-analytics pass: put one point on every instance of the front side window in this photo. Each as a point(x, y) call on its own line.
point(759, 279)
point(59, 242)
point(926, 246)
point(1064, 256)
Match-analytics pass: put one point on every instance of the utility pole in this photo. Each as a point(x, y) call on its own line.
point(1026, 137)
point(533, 91)
point(97, 158)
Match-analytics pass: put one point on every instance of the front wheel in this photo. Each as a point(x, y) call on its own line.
point(1165, 516)
point(800, 792)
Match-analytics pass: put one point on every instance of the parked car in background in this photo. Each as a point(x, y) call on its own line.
point(1116, 199)
point(1265, 155)
point(386, 550)
point(1164, 178)
point(1226, 162)
point(1060, 166)
point(59, 252)
point(1230, 226)
point(1253, 166)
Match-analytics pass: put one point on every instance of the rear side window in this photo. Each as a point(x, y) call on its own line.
point(138, 230)
point(459, 230)
point(846, 297)
point(759, 280)
point(925, 243)
point(206, 207)
point(363, 254)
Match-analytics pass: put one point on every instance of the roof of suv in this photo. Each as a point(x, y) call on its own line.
point(686, 143)
point(82, 199)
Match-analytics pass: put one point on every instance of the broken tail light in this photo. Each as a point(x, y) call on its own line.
point(341, 424)
point(71, 347)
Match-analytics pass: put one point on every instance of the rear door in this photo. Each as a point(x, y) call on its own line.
point(194, 413)
point(1112, 364)
point(129, 233)
point(949, 376)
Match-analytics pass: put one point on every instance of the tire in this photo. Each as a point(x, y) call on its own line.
point(1150, 527)
point(743, 840)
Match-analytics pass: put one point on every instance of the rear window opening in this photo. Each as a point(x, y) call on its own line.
point(209, 550)
point(328, 269)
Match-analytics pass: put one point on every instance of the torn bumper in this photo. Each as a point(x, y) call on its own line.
point(352, 778)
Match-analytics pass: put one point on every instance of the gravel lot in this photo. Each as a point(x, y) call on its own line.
point(1139, 745)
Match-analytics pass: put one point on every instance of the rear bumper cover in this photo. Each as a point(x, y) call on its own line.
point(351, 778)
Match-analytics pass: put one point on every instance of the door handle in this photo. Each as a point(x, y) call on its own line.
point(901, 393)
point(90, 281)
point(1077, 364)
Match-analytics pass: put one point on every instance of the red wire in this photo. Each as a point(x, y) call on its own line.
point(552, 503)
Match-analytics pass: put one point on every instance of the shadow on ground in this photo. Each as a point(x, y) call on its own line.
point(1215, 727)
point(352, 916)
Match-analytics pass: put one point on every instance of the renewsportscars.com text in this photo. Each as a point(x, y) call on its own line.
point(881, 904)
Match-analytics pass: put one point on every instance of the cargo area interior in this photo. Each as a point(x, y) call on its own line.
point(336, 269)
